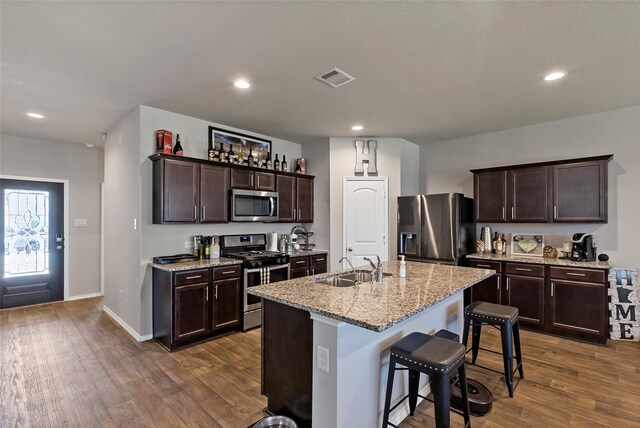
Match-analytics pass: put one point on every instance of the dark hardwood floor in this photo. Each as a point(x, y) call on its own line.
point(69, 365)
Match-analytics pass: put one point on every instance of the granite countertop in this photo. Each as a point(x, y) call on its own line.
point(541, 261)
point(303, 253)
point(199, 264)
point(372, 306)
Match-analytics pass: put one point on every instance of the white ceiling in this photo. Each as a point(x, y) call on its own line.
point(425, 71)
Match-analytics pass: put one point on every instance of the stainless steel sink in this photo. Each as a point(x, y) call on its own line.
point(348, 279)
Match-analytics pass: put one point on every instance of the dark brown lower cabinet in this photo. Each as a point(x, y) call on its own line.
point(579, 301)
point(564, 301)
point(287, 361)
point(192, 310)
point(488, 290)
point(302, 266)
point(299, 267)
point(527, 294)
point(226, 303)
point(194, 305)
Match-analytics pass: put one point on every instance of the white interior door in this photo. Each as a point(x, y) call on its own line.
point(365, 219)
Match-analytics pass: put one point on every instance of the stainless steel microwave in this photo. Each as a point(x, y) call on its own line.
point(254, 205)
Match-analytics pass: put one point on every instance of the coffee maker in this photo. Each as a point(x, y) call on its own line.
point(582, 249)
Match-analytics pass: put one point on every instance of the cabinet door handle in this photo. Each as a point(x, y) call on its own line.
point(553, 285)
point(523, 269)
point(299, 214)
point(216, 296)
point(484, 266)
point(575, 274)
point(195, 212)
point(319, 260)
point(313, 271)
point(251, 179)
point(258, 180)
point(203, 213)
point(503, 217)
point(555, 212)
point(194, 277)
point(228, 272)
point(300, 261)
point(513, 213)
point(207, 290)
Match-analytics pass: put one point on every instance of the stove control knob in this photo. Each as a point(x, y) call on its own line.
point(258, 264)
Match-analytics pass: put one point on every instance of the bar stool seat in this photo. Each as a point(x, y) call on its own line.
point(437, 357)
point(503, 317)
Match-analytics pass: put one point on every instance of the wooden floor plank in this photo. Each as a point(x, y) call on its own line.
point(69, 365)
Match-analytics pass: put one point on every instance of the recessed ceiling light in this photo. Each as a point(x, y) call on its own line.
point(35, 115)
point(242, 84)
point(357, 127)
point(89, 146)
point(555, 76)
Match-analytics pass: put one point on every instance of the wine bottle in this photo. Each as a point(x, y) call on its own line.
point(240, 156)
point(284, 163)
point(211, 154)
point(250, 158)
point(504, 245)
point(177, 149)
point(231, 155)
point(497, 244)
point(269, 163)
point(276, 163)
point(223, 154)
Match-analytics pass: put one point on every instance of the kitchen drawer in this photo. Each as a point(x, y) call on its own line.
point(318, 259)
point(192, 277)
point(226, 272)
point(299, 262)
point(577, 274)
point(485, 264)
point(524, 269)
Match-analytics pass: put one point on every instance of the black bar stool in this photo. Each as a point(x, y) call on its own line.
point(437, 357)
point(504, 318)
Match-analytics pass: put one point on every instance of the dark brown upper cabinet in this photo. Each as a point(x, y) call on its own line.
point(214, 194)
point(490, 201)
point(175, 191)
point(580, 192)
point(573, 190)
point(528, 198)
point(295, 199)
point(253, 180)
point(187, 192)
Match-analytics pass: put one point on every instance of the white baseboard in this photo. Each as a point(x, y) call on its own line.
point(402, 411)
point(126, 326)
point(85, 296)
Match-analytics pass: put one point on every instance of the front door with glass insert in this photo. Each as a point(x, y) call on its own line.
point(32, 234)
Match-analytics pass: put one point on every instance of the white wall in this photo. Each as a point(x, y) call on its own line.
point(446, 165)
point(317, 157)
point(391, 154)
point(83, 167)
point(121, 206)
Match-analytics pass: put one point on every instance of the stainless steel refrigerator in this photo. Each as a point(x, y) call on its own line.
point(436, 228)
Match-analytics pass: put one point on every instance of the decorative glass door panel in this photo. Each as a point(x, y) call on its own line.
point(32, 256)
point(26, 232)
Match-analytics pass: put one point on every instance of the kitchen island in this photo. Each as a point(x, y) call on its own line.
point(325, 348)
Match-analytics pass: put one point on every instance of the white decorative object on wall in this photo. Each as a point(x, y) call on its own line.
point(625, 300)
point(370, 157)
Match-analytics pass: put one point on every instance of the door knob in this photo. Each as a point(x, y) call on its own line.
point(349, 249)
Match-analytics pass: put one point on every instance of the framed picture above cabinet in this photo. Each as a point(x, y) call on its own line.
point(222, 140)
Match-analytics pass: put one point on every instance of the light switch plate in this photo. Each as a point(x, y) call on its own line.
point(80, 222)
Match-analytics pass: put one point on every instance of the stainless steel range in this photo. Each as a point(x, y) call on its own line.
point(259, 267)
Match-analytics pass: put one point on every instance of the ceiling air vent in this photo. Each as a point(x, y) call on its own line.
point(335, 77)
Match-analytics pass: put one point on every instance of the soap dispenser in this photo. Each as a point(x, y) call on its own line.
point(403, 267)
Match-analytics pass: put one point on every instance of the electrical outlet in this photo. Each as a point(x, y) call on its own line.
point(323, 359)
